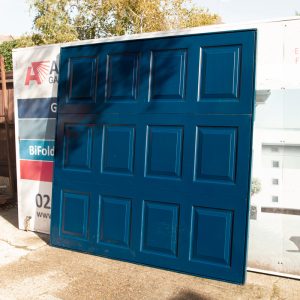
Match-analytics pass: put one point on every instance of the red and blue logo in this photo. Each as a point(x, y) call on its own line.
point(39, 70)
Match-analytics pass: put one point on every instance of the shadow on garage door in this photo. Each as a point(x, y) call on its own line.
point(153, 151)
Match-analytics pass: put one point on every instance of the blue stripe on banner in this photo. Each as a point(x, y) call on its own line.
point(37, 108)
point(37, 150)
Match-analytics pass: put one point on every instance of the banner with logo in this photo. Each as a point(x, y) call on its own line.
point(274, 239)
point(35, 88)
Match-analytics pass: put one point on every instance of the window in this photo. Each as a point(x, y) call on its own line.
point(275, 164)
point(274, 149)
point(275, 181)
point(274, 198)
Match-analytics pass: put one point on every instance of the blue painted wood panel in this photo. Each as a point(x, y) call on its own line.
point(153, 152)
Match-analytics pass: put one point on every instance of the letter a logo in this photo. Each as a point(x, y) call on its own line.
point(37, 72)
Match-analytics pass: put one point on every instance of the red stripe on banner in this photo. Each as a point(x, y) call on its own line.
point(36, 170)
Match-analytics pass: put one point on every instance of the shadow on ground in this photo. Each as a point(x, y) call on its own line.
point(44, 237)
point(9, 212)
point(189, 295)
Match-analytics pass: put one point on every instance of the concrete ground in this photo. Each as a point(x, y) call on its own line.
point(31, 269)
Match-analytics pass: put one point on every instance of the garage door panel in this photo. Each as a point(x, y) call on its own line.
point(122, 74)
point(224, 256)
point(221, 157)
point(107, 151)
point(211, 236)
point(223, 173)
point(82, 80)
point(168, 159)
point(114, 221)
point(74, 206)
point(157, 234)
point(78, 146)
point(118, 149)
point(115, 224)
point(159, 231)
point(215, 154)
point(164, 151)
point(97, 221)
point(170, 76)
point(226, 62)
point(78, 141)
point(153, 152)
point(72, 222)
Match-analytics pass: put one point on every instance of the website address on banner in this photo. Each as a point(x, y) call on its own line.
point(43, 215)
point(43, 201)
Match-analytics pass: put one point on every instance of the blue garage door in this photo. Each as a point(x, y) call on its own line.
point(154, 151)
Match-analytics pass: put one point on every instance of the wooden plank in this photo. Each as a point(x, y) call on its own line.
point(8, 142)
point(3, 84)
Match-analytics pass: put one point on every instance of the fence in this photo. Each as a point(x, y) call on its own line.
point(3, 148)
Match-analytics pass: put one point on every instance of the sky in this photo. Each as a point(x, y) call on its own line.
point(15, 18)
point(233, 11)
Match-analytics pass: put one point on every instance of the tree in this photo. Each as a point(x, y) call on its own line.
point(183, 14)
point(58, 21)
point(67, 20)
point(53, 21)
point(6, 52)
point(118, 17)
point(7, 47)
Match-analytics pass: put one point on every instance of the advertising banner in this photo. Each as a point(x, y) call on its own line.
point(35, 88)
point(274, 239)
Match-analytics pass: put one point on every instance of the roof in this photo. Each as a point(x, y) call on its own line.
point(6, 38)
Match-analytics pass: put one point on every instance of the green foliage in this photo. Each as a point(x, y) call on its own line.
point(53, 21)
point(6, 52)
point(67, 20)
point(255, 186)
point(184, 14)
point(7, 47)
point(58, 21)
point(118, 17)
